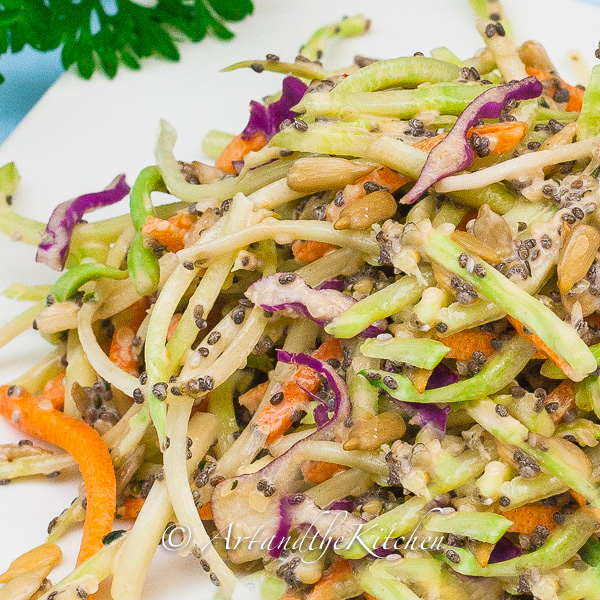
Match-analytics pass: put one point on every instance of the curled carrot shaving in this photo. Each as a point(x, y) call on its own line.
point(526, 518)
point(561, 399)
point(237, 148)
point(575, 93)
point(54, 391)
point(308, 251)
point(541, 346)
point(132, 507)
point(251, 399)
point(318, 471)
point(84, 444)
point(170, 232)
point(503, 137)
point(275, 419)
point(464, 343)
point(338, 574)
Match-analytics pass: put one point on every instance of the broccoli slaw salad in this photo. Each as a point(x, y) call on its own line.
point(358, 357)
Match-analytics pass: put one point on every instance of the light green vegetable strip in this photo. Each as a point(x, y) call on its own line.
point(384, 586)
point(48, 367)
point(214, 142)
point(521, 490)
point(556, 456)
point(419, 352)
point(484, 9)
point(301, 69)
point(407, 72)
point(588, 124)
point(498, 372)
point(483, 526)
point(347, 27)
point(69, 283)
point(443, 53)
point(525, 410)
point(559, 336)
point(446, 98)
point(561, 545)
point(364, 397)
point(89, 574)
point(453, 471)
point(17, 325)
point(381, 304)
point(388, 526)
point(142, 262)
point(26, 293)
point(550, 370)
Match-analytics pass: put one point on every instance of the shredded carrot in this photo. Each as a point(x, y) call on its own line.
point(338, 575)
point(121, 351)
point(308, 251)
point(173, 325)
point(503, 137)
point(382, 176)
point(205, 512)
point(318, 471)
point(541, 346)
point(464, 343)
point(237, 148)
point(132, 507)
point(563, 398)
point(251, 399)
point(54, 391)
point(170, 232)
point(526, 518)
point(23, 410)
point(575, 93)
point(133, 315)
point(275, 419)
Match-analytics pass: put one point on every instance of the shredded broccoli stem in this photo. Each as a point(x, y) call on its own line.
point(351, 482)
point(78, 370)
point(347, 27)
point(588, 123)
point(214, 142)
point(17, 325)
point(483, 526)
point(497, 373)
point(48, 367)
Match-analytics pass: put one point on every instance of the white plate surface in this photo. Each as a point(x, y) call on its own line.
point(82, 133)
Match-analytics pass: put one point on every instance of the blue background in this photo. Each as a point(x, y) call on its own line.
point(28, 75)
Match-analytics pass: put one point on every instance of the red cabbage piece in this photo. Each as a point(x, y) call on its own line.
point(238, 500)
point(337, 283)
point(431, 414)
point(54, 247)
point(454, 153)
point(288, 291)
point(267, 119)
point(504, 550)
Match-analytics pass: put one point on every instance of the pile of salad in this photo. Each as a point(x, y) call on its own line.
point(356, 358)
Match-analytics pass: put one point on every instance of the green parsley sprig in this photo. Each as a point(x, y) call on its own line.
point(97, 34)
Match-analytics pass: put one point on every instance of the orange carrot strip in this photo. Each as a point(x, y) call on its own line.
point(84, 444)
point(464, 343)
point(382, 176)
point(538, 343)
point(526, 518)
point(575, 93)
point(121, 351)
point(564, 396)
point(173, 325)
point(54, 391)
point(318, 471)
point(308, 251)
point(170, 232)
point(237, 148)
point(251, 399)
point(503, 137)
point(132, 507)
point(275, 419)
point(205, 512)
point(338, 573)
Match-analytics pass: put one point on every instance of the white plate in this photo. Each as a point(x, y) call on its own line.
point(82, 133)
